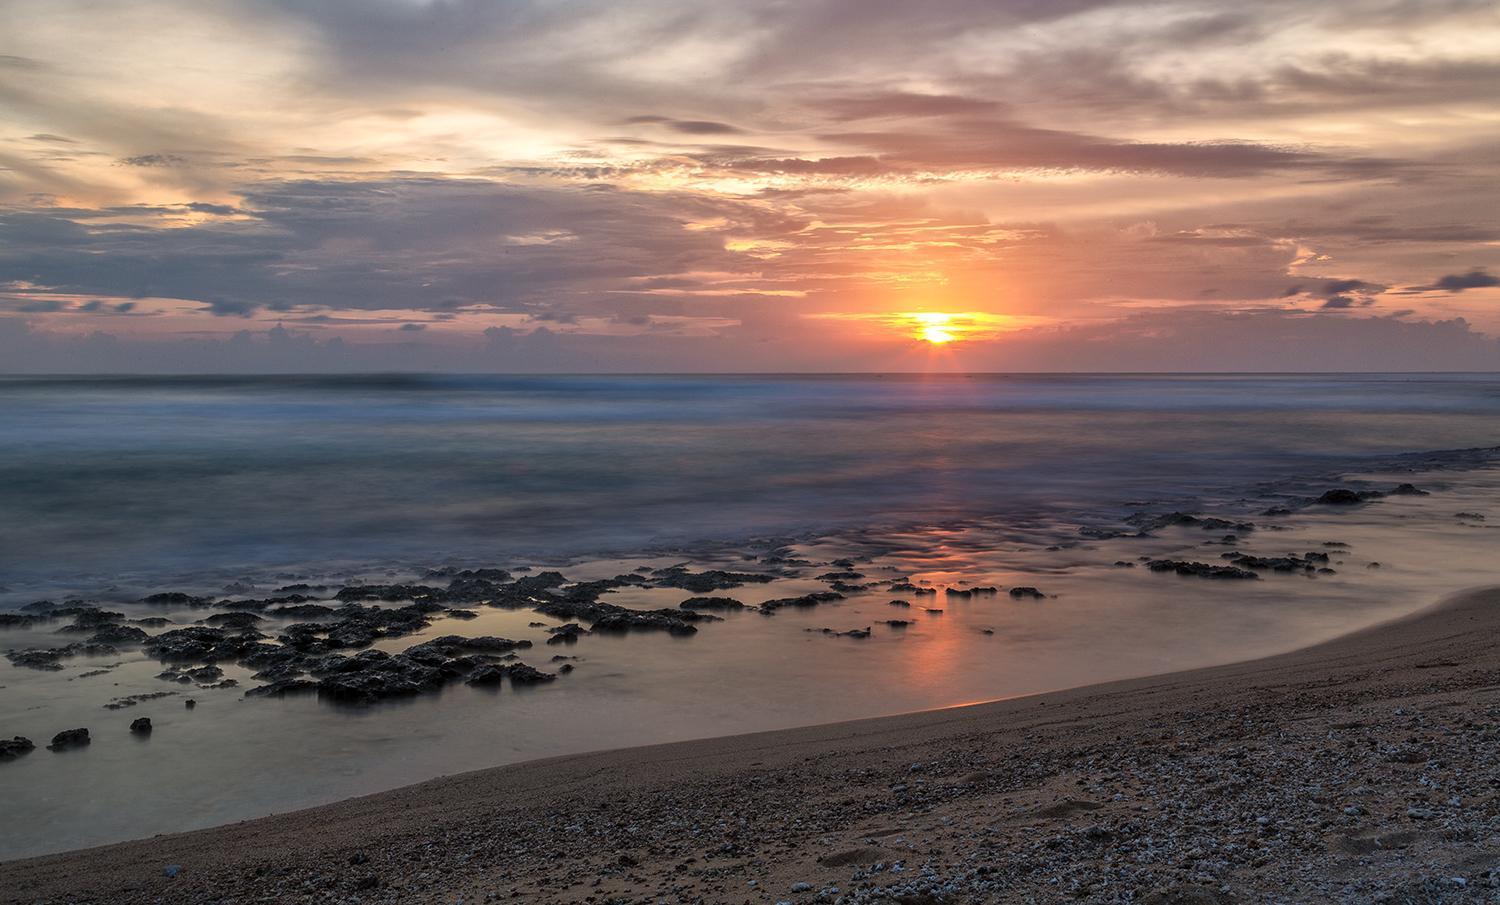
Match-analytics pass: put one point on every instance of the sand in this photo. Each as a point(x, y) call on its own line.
point(1362, 769)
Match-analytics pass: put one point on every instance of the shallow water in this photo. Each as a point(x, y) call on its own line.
point(970, 482)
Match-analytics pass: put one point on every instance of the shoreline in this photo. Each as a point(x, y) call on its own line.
point(638, 820)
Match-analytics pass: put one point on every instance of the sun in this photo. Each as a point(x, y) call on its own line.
point(933, 327)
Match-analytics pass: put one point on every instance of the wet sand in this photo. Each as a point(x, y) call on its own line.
point(1361, 769)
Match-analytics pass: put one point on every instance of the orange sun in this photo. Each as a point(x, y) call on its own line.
point(933, 327)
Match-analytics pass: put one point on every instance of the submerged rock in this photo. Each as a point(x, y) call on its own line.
point(1024, 592)
point(1200, 569)
point(69, 738)
point(711, 603)
point(141, 726)
point(806, 600)
point(12, 748)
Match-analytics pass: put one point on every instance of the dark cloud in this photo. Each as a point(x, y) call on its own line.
point(412, 328)
point(702, 127)
point(230, 307)
point(154, 160)
point(40, 306)
point(1458, 282)
point(203, 207)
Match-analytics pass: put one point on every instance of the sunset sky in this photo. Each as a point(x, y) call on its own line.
point(761, 185)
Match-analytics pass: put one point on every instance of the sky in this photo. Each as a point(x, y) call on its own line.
point(760, 185)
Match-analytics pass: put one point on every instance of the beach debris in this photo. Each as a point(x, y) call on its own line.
point(69, 738)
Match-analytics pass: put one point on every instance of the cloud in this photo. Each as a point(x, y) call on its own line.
point(1458, 282)
point(231, 307)
point(154, 160)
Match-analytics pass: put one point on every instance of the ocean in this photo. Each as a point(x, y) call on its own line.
point(882, 487)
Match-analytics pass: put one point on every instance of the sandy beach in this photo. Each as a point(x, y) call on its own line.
point(1360, 769)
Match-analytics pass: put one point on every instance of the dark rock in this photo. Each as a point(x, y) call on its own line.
point(176, 598)
point(852, 633)
point(69, 738)
point(521, 674)
point(806, 600)
point(302, 611)
point(10, 749)
point(37, 658)
point(141, 726)
point(565, 634)
point(118, 634)
point(897, 623)
point(1342, 497)
point(711, 603)
point(626, 620)
point(282, 688)
point(703, 582)
point(1200, 569)
point(905, 603)
point(234, 620)
point(1022, 592)
point(16, 620)
point(489, 674)
point(1408, 490)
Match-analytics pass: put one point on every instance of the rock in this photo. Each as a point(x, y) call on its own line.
point(36, 658)
point(176, 598)
point(565, 634)
point(711, 603)
point(489, 674)
point(234, 620)
point(1342, 497)
point(905, 603)
point(15, 747)
point(1408, 490)
point(69, 738)
point(521, 674)
point(1200, 569)
point(118, 634)
point(171, 871)
point(628, 619)
point(141, 726)
point(1023, 592)
point(190, 703)
point(703, 582)
point(806, 600)
point(282, 688)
